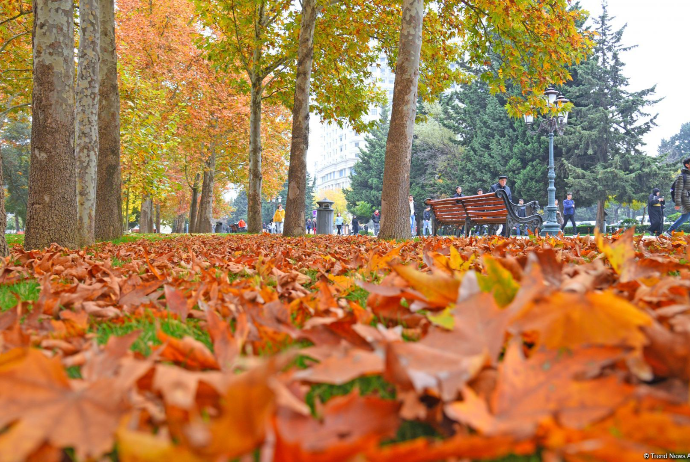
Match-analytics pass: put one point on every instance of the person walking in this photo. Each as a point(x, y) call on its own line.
point(279, 218)
point(503, 185)
point(559, 215)
point(426, 216)
point(355, 225)
point(655, 205)
point(339, 223)
point(308, 225)
point(376, 219)
point(569, 212)
point(242, 225)
point(412, 218)
point(681, 196)
point(522, 213)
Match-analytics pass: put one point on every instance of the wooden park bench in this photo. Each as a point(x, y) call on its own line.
point(491, 209)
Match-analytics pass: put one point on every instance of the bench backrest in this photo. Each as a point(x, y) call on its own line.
point(484, 208)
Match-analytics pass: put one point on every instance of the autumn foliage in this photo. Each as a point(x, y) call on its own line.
point(342, 348)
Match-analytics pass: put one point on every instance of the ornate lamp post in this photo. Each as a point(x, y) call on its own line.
point(551, 124)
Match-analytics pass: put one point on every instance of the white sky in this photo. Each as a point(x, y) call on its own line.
point(661, 31)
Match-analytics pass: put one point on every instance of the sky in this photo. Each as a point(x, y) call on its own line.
point(661, 31)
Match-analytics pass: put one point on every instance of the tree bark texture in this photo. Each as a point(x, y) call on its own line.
point(86, 119)
point(52, 207)
point(395, 211)
point(178, 224)
point(109, 184)
point(205, 216)
point(158, 218)
point(297, 174)
point(255, 176)
point(146, 215)
point(4, 250)
point(601, 216)
point(193, 207)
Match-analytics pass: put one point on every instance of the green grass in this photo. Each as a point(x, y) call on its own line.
point(13, 239)
point(358, 295)
point(26, 290)
point(147, 338)
point(374, 384)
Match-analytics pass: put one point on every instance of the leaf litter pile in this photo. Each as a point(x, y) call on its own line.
point(325, 348)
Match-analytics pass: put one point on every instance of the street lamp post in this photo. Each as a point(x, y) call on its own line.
point(551, 124)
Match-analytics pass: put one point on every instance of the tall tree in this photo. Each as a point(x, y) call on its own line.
point(297, 175)
point(52, 179)
point(532, 52)
point(109, 182)
point(677, 147)
point(396, 172)
point(205, 217)
point(16, 22)
point(15, 142)
point(86, 131)
point(366, 182)
point(603, 144)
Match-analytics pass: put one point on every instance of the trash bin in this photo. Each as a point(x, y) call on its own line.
point(324, 217)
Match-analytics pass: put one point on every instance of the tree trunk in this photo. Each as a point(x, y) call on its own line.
point(255, 177)
point(52, 209)
point(86, 123)
point(601, 219)
point(158, 218)
point(16, 219)
point(297, 175)
point(4, 250)
point(395, 211)
point(109, 184)
point(192, 209)
point(205, 216)
point(178, 224)
point(146, 215)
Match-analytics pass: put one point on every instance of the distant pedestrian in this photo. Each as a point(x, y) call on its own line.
point(308, 225)
point(427, 221)
point(279, 218)
point(655, 205)
point(569, 212)
point(559, 216)
point(355, 225)
point(376, 218)
point(339, 223)
point(480, 191)
point(313, 225)
point(412, 218)
point(503, 185)
point(681, 196)
point(522, 213)
point(242, 225)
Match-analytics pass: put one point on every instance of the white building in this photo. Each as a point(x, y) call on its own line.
point(333, 151)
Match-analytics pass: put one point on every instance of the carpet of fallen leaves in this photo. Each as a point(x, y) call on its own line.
point(333, 348)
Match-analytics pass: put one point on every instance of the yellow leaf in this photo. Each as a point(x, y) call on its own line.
point(444, 319)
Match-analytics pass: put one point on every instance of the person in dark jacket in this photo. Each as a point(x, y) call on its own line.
point(522, 213)
point(376, 218)
point(682, 196)
point(655, 205)
point(458, 192)
point(355, 225)
point(502, 184)
point(569, 212)
point(427, 221)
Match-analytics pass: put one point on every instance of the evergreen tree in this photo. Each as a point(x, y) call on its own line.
point(309, 196)
point(677, 147)
point(16, 151)
point(366, 182)
point(602, 147)
point(240, 206)
point(494, 144)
